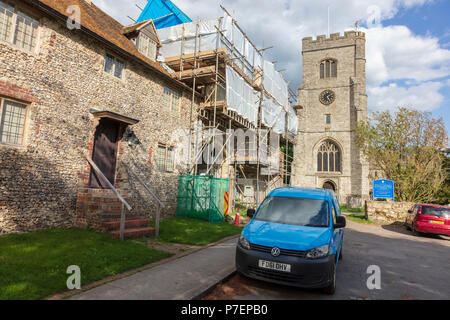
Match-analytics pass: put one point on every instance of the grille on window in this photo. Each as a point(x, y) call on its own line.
point(12, 122)
point(6, 14)
point(283, 252)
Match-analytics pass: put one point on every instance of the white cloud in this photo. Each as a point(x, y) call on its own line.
point(393, 52)
point(425, 96)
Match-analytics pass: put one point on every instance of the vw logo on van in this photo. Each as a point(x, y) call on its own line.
point(275, 252)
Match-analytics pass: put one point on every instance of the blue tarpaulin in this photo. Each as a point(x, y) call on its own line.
point(169, 14)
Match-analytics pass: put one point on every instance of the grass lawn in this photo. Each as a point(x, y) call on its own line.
point(194, 232)
point(361, 218)
point(33, 265)
point(345, 209)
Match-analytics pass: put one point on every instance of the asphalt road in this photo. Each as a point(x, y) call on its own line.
point(411, 268)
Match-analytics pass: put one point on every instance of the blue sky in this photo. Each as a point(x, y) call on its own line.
point(408, 42)
point(430, 20)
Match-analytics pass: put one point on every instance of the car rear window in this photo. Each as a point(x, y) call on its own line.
point(295, 211)
point(436, 211)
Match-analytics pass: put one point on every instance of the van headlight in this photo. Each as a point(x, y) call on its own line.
point(318, 252)
point(244, 242)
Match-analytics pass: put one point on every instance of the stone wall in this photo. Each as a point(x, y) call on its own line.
point(387, 212)
point(40, 180)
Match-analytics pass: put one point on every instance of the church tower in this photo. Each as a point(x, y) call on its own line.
point(332, 99)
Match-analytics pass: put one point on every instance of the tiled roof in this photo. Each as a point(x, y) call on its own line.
point(135, 26)
point(103, 25)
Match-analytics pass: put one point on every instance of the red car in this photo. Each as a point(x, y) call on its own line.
point(428, 218)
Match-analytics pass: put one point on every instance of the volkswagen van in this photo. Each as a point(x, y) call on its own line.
point(295, 238)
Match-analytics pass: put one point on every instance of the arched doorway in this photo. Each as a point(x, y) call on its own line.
point(329, 185)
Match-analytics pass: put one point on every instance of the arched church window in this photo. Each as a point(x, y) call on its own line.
point(329, 157)
point(328, 69)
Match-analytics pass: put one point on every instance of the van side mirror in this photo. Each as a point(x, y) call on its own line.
point(251, 213)
point(340, 222)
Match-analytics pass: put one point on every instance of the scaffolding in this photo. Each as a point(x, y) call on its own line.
point(239, 90)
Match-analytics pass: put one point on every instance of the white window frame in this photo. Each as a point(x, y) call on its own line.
point(167, 154)
point(113, 68)
point(152, 46)
point(11, 39)
point(169, 96)
point(25, 122)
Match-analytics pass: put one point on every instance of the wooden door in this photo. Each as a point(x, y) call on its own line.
point(329, 185)
point(104, 152)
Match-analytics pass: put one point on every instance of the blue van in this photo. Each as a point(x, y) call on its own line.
point(294, 238)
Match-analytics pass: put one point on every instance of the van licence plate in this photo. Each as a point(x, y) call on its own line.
point(274, 266)
point(436, 222)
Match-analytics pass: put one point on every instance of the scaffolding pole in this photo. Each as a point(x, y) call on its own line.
point(199, 69)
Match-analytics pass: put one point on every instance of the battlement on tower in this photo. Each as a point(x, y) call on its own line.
point(334, 40)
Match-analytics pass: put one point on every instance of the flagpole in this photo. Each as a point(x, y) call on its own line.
point(328, 21)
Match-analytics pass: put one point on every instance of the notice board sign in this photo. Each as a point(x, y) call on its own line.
point(383, 189)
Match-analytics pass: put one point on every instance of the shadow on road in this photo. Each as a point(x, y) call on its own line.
point(411, 268)
point(400, 228)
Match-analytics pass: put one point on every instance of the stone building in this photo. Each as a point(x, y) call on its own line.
point(332, 99)
point(67, 93)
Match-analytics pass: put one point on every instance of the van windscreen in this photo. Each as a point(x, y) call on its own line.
point(295, 211)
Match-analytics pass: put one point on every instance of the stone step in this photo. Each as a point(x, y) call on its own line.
point(134, 233)
point(129, 224)
point(102, 193)
point(96, 206)
point(111, 217)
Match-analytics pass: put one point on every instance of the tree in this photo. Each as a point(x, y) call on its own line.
point(407, 146)
point(443, 195)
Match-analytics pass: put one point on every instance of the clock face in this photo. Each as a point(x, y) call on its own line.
point(327, 97)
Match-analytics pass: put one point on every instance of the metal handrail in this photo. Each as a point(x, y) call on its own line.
point(160, 204)
point(119, 196)
point(149, 190)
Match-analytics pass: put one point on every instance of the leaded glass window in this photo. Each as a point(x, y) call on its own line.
point(329, 157)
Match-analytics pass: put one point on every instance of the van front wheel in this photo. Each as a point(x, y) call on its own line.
point(331, 288)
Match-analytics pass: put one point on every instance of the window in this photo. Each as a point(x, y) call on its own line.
point(328, 69)
point(329, 158)
point(328, 119)
point(114, 66)
point(12, 125)
point(17, 28)
point(333, 214)
point(295, 211)
point(147, 46)
point(165, 160)
point(171, 100)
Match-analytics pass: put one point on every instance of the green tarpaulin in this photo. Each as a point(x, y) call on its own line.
point(201, 197)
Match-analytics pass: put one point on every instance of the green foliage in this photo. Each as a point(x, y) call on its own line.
point(194, 232)
point(443, 195)
point(287, 166)
point(406, 146)
point(34, 265)
point(242, 209)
